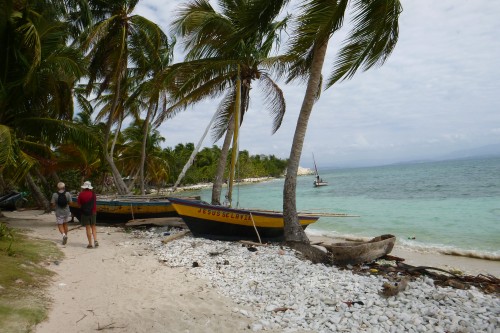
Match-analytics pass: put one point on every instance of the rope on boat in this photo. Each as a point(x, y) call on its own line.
point(255, 227)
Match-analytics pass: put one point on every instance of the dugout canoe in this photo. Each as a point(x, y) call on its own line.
point(359, 252)
point(224, 223)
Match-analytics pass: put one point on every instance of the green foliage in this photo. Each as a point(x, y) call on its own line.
point(5, 232)
point(205, 163)
point(22, 276)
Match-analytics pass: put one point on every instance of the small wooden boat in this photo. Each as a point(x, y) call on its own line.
point(224, 223)
point(318, 181)
point(122, 209)
point(11, 201)
point(358, 252)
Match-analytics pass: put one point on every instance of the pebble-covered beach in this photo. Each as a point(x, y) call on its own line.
point(279, 291)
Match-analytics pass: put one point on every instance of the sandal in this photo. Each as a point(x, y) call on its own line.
point(89, 246)
point(96, 243)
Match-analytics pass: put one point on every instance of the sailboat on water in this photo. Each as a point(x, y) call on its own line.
point(227, 223)
point(318, 181)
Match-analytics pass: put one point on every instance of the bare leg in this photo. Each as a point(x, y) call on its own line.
point(88, 229)
point(65, 227)
point(94, 233)
point(61, 228)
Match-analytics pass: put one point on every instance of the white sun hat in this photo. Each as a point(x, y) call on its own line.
point(88, 185)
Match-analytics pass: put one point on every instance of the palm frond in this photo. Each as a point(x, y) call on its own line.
point(225, 111)
point(7, 154)
point(372, 39)
point(274, 100)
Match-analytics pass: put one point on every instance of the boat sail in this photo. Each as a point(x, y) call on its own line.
point(318, 181)
point(226, 223)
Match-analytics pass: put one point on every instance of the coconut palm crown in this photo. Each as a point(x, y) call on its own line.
point(216, 44)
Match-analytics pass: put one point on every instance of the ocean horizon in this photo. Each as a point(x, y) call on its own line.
point(449, 207)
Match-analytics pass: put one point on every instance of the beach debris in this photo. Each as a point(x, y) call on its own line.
point(392, 289)
point(282, 309)
point(244, 242)
point(176, 222)
point(195, 264)
point(108, 327)
point(225, 262)
point(251, 248)
point(351, 303)
point(216, 253)
point(393, 267)
point(79, 320)
point(175, 236)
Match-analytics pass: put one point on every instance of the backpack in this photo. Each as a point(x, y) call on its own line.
point(62, 200)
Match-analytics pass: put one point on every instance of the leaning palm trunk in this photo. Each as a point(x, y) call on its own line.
point(143, 151)
point(193, 154)
point(37, 194)
point(292, 229)
point(119, 183)
point(43, 180)
point(221, 166)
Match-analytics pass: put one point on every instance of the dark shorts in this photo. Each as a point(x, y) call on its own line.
point(88, 220)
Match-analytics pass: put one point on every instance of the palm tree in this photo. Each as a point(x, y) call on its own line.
point(242, 35)
point(37, 74)
point(156, 166)
point(109, 43)
point(152, 69)
point(370, 42)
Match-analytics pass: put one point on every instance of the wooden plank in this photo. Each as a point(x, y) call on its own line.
point(158, 221)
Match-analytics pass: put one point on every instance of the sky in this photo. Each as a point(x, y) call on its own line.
point(436, 94)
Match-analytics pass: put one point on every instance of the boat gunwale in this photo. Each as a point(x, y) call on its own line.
point(273, 214)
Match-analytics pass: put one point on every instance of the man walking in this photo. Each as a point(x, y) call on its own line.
point(60, 203)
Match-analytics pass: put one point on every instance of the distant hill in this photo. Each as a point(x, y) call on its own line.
point(484, 151)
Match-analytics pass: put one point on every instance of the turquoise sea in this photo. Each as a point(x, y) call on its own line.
point(448, 206)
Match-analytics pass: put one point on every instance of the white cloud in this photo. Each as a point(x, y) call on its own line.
point(436, 93)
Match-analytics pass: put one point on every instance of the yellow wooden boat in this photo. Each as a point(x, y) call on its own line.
point(224, 223)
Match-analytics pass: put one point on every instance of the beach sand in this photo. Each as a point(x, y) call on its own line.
point(121, 286)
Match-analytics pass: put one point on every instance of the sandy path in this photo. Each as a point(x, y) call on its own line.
point(122, 285)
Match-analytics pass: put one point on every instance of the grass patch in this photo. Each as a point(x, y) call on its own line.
point(24, 279)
